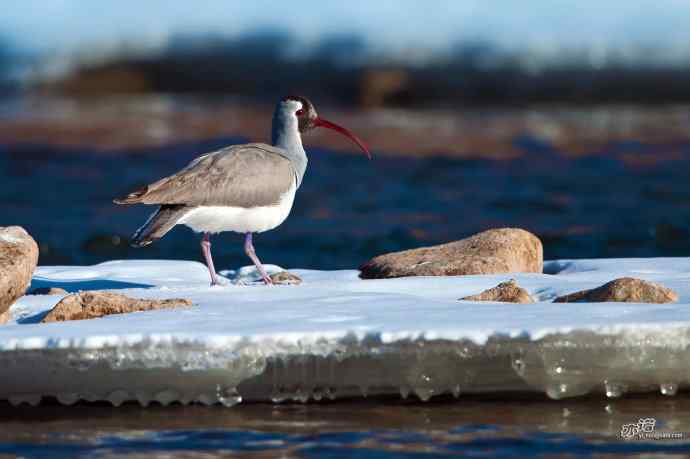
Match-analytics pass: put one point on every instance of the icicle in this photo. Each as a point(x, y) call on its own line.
point(424, 393)
point(301, 395)
point(277, 390)
point(278, 394)
point(185, 398)
point(118, 397)
point(31, 399)
point(613, 389)
point(144, 398)
point(166, 397)
point(557, 391)
point(228, 396)
point(67, 398)
point(455, 390)
point(669, 389)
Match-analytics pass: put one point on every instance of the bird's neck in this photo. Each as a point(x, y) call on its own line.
point(285, 135)
point(286, 138)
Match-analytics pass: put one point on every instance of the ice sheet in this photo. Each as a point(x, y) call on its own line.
point(416, 326)
point(337, 303)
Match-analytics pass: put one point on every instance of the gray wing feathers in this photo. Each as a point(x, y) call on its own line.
point(159, 223)
point(241, 176)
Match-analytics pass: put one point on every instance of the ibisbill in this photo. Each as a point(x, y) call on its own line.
point(246, 188)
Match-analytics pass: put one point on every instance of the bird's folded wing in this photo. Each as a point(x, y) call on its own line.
point(240, 176)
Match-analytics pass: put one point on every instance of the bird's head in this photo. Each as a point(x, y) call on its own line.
point(301, 110)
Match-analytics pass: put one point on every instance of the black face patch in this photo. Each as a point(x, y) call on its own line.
point(306, 114)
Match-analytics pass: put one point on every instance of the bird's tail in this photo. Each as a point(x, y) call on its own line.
point(134, 197)
point(159, 223)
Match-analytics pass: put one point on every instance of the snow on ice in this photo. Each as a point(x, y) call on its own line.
point(336, 335)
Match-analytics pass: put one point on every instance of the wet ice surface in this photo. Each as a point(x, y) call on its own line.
point(337, 336)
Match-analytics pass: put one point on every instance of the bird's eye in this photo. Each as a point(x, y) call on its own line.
point(299, 112)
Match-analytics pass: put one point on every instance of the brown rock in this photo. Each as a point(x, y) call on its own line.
point(626, 290)
point(496, 251)
point(94, 304)
point(18, 258)
point(286, 278)
point(48, 291)
point(508, 292)
point(5, 317)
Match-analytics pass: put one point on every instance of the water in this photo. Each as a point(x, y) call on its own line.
point(350, 209)
point(627, 198)
point(471, 427)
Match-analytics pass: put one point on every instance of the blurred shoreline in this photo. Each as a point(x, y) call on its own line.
point(114, 123)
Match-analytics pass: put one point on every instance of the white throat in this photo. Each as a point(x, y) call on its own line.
point(285, 130)
point(286, 136)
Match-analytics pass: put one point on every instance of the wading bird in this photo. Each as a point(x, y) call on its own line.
point(246, 188)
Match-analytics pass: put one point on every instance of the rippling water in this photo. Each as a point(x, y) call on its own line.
point(382, 429)
point(624, 202)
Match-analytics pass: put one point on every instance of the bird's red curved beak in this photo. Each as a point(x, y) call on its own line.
point(327, 124)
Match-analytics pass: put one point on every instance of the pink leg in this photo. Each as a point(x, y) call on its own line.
point(206, 250)
point(249, 250)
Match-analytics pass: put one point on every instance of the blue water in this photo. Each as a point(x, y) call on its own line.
point(500, 427)
point(483, 441)
point(349, 209)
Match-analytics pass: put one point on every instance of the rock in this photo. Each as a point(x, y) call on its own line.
point(496, 251)
point(5, 317)
point(626, 290)
point(285, 278)
point(18, 258)
point(48, 291)
point(93, 304)
point(508, 292)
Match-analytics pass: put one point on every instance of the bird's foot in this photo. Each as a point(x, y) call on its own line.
point(271, 275)
point(219, 281)
point(249, 282)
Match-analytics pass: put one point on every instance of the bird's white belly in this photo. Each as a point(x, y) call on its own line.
point(216, 219)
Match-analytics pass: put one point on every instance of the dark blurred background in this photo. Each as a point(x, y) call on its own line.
point(570, 120)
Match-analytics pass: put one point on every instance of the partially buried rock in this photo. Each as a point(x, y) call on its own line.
point(508, 292)
point(94, 304)
point(496, 251)
point(285, 278)
point(626, 290)
point(18, 258)
point(48, 291)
